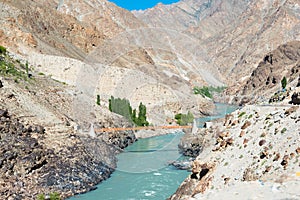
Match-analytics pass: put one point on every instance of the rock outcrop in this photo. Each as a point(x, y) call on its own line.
point(30, 166)
point(266, 78)
point(296, 98)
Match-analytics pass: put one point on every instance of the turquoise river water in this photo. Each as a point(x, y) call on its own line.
point(143, 172)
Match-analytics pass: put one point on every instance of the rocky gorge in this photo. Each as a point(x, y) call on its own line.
point(62, 54)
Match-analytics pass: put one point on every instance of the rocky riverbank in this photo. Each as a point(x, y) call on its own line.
point(29, 166)
point(256, 146)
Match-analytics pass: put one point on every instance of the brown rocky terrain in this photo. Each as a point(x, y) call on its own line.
point(55, 27)
point(265, 80)
point(282, 62)
point(63, 38)
point(234, 35)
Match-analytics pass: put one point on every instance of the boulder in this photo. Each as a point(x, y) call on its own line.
point(295, 98)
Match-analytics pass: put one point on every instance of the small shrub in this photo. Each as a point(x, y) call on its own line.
point(283, 130)
point(98, 100)
point(241, 114)
point(41, 197)
point(204, 91)
point(283, 82)
point(271, 124)
point(2, 50)
point(184, 119)
point(52, 196)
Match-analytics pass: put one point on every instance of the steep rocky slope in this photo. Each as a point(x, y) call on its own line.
point(282, 62)
point(61, 27)
point(41, 149)
point(265, 80)
point(234, 35)
point(88, 41)
point(201, 19)
point(257, 147)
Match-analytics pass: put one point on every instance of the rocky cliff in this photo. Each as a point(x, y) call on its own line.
point(62, 28)
point(282, 62)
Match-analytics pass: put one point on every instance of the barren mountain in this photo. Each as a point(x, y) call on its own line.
point(282, 62)
point(64, 28)
point(234, 35)
point(88, 41)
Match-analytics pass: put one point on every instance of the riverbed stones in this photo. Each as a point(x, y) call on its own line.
point(246, 125)
point(192, 145)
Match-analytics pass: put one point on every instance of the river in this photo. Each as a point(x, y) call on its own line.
point(143, 172)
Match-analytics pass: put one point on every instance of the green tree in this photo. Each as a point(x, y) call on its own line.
point(27, 69)
point(283, 82)
point(98, 100)
point(123, 107)
point(133, 116)
point(142, 118)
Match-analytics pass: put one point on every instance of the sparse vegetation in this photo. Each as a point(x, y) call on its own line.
point(204, 91)
point(8, 68)
point(52, 196)
point(184, 119)
point(207, 91)
point(13, 68)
